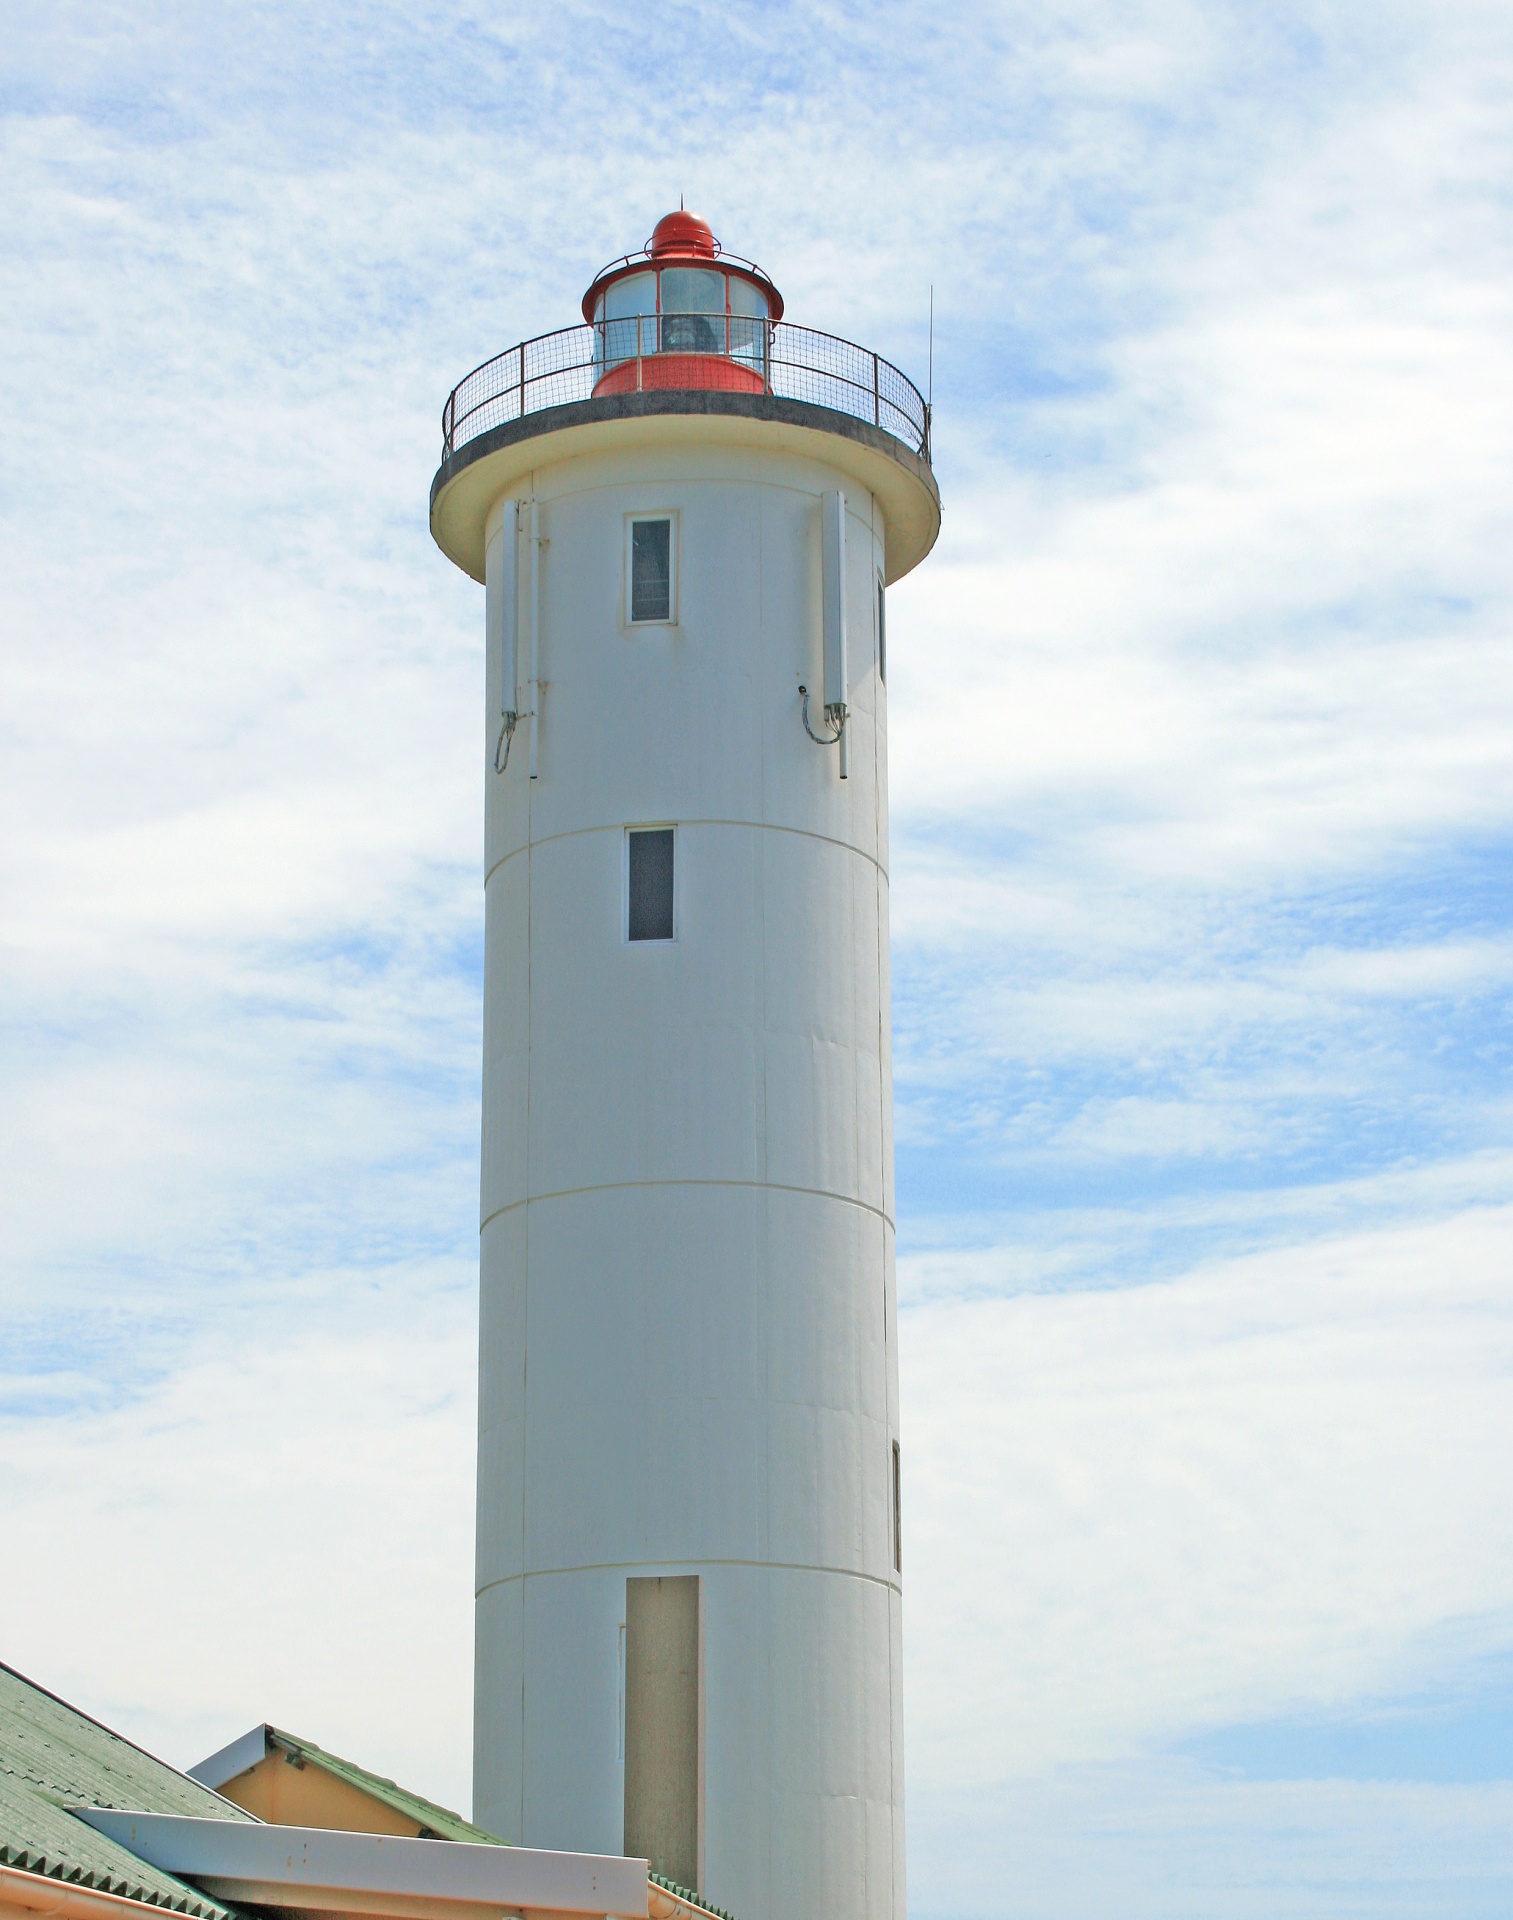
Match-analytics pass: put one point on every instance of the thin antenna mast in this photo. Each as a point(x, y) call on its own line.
point(930, 380)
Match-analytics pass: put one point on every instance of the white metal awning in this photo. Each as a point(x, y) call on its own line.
point(321, 1870)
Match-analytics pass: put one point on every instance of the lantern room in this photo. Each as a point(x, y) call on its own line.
point(682, 313)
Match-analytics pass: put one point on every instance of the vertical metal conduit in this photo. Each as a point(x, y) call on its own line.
point(535, 629)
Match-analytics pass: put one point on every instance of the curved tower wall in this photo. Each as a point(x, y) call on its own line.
point(688, 1355)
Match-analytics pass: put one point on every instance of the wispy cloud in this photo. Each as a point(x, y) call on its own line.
point(1138, 1510)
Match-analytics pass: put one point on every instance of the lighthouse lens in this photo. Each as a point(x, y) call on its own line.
point(691, 333)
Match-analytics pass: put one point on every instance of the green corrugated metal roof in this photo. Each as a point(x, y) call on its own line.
point(52, 1757)
point(440, 1821)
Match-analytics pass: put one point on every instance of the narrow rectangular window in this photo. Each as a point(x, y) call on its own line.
point(882, 633)
point(898, 1514)
point(662, 1761)
point(649, 893)
point(651, 570)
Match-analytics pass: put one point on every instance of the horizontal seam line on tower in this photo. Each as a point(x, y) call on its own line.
point(755, 826)
point(621, 1186)
point(893, 1585)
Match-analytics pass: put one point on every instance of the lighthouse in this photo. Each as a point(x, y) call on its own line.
point(686, 513)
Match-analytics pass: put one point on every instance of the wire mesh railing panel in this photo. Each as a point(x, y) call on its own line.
point(548, 371)
point(689, 351)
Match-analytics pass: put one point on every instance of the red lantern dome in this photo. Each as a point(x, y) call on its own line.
point(682, 235)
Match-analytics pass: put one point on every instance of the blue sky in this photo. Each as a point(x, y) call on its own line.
point(1202, 772)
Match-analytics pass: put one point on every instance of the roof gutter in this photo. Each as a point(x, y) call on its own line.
point(39, 1893)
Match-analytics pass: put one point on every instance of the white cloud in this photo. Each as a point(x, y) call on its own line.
point(278, 1526)
point(1254, 1488)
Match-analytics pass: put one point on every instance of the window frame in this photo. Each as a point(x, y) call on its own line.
point(882, 629)
point(642, 518)
point(648, 826)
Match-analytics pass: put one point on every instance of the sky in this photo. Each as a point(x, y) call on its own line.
point(1202, 907)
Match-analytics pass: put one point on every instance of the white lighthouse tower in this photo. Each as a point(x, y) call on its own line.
point(689, 1573)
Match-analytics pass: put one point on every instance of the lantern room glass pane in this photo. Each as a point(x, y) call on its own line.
point(693, 310)
point(636, 293)
point(748, 332)
point(692, 290)
point(747, 297)
point(620, 337)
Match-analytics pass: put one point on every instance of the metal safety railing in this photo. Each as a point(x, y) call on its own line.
point(667, 351)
